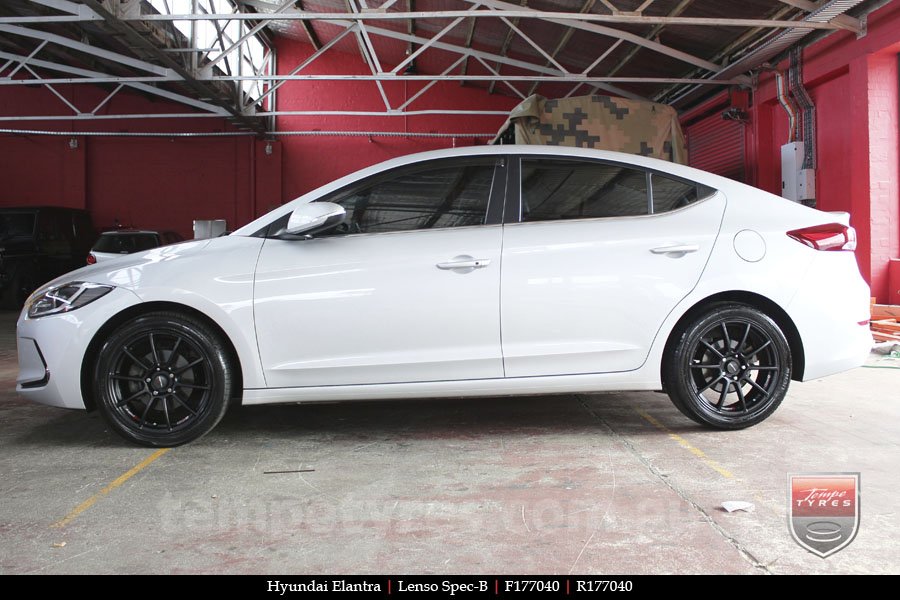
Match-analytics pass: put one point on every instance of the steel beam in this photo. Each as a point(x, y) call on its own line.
point(594, 64)
point(564, 40)
point(25, 60)
point(504, 48)
point(469, 37)
point(431, 41)
point(251, 33)
point(198, 87)
point(567, 78)
point(308, 60)
point(534, 45)
point(138, 85)
point(553, 16)
point(82, 47)
point(615, 33)
point(431, 84)
point(375, 113)
point(843, 21)
point(307, 28)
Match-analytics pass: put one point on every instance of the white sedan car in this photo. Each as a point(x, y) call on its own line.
point(489, 271)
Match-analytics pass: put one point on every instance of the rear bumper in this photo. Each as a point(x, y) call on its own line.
point(52, 349)
point(831, 312)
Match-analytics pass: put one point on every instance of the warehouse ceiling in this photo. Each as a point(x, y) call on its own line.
point(217, 57)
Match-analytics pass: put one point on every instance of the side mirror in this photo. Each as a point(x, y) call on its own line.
point(314, 217)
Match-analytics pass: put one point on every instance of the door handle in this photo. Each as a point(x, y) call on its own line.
point(680, 249)
point(474, 263)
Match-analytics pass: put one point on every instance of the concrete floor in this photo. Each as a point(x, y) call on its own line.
point(608, 483)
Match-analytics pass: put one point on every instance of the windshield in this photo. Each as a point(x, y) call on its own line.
point(126, 243)
point(16, 225)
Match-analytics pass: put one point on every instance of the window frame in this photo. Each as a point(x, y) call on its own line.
point(515, 203)
point(493, 212)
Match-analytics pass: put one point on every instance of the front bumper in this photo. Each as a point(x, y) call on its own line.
point(52, 349)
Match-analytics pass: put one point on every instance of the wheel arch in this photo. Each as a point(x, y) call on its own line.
point(132, 312)
point(757, 301)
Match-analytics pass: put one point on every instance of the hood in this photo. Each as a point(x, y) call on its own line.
point(122, 271)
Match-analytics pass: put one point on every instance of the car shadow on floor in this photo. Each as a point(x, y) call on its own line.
point(28, 424)
point(460, 417)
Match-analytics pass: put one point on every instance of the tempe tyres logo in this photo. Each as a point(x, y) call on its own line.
point(824, 510)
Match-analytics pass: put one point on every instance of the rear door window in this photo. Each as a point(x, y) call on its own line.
point(126, 244)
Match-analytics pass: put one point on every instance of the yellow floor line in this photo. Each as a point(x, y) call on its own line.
point(118, 481)
point(687, 446)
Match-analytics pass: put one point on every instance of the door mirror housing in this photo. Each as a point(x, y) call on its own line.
point(315, 217)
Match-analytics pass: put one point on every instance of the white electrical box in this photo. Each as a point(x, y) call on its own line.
point(806, 184)
point(797, 183)
point(205, 229)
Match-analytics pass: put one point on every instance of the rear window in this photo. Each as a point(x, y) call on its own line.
point(126, 244)
point(16, 225)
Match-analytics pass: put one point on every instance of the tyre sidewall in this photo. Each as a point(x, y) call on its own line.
point(196, 332)
point(680, 377)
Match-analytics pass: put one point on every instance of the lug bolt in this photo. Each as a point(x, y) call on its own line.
point(147, 380)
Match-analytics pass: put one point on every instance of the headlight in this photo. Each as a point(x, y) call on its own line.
point(65, 298)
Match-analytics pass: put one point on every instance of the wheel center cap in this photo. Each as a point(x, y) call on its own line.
point(159, 382)
point(732, 367)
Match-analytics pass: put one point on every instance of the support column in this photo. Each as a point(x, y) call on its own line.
point(875, 161)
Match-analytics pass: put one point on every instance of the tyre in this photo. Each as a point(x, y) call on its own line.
point(163, 379)
point(729, 368)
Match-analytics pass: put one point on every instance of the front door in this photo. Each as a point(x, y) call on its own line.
point(406, 290)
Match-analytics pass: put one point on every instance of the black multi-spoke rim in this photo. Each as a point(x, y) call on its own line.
point(160, 382)
point(735, 369)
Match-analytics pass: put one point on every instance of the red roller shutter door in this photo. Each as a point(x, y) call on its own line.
point(717, 146)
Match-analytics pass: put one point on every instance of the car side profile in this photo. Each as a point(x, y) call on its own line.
point(486, 271)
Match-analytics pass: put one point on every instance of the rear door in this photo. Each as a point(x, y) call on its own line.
point(600, 255)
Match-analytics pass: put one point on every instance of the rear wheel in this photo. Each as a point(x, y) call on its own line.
point(163, 379)
point(730, 367)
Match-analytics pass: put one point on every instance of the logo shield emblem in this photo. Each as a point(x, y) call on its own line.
point(824, 510)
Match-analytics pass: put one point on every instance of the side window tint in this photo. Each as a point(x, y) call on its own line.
point(433, 195)
point(671, 194)
point(569, 189)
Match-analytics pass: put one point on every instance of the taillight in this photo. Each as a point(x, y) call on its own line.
point(91, 260)
point(833, 236)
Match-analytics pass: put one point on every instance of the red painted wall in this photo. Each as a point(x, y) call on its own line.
point(313, 161)
point(166, 183)
point(854, 84)
point(155, 183)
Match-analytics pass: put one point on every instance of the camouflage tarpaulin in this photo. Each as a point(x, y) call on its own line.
point(602, 122)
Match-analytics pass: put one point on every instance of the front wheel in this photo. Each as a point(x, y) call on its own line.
point(730, 367)
point(163, 379)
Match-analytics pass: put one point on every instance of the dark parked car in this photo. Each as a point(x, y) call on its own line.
point(38, 244)
point(112, 244)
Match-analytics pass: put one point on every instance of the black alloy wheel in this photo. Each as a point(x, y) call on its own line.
point(163, 379)
point(730, 368)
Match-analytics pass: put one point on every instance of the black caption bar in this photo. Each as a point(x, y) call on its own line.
point(455, 586)
point(291, 587)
